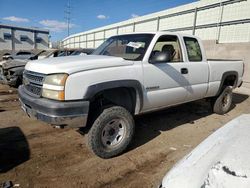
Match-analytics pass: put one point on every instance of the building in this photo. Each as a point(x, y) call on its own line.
point(23, 38)
point(223, 25)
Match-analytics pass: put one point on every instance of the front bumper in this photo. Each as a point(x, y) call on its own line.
point(68, 113)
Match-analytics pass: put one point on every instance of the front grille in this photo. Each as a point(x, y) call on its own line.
point(36, 90)
point(33, 82)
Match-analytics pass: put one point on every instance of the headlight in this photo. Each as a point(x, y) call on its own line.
point(56, 79)
point(54, 85)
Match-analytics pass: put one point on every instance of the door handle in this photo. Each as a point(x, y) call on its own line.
point(184, 71)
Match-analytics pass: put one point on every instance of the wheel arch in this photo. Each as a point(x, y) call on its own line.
point(229, 78)
point(129, 85)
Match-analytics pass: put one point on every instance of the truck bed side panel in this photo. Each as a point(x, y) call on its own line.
point(217, 69)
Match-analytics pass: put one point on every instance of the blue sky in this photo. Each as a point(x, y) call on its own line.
point(85, 14)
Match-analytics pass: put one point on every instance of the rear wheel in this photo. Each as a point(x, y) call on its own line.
point(111, 132)
point(223, 102)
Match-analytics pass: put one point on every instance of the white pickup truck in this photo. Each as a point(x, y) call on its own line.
point(127, 75)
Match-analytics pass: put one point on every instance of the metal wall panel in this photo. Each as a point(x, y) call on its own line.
point(83, 38)
point(236, 11)
point(207, 33)
point(110, 32)
point(146, 26)
point(77, 39)
point(189, 32)
point(77, 45)
point(99, 35)
point(44, 42)
point(24, 45)
point(125, 29)
point(5, 44)
point(98, 43)
point(71, 40)
point(90, 37)
point(185, 20)
point(235, 33)
point(90, 44)
point(208, 16)
point(83, 45)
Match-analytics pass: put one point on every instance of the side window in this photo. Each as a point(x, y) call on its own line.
point(24, 38)
point(168, 43)
point(193, 49)
point(39, 40)
point(7, 36)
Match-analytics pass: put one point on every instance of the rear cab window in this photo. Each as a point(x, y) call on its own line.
point(193, 49)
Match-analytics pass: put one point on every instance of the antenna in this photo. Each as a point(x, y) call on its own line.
point(67, 13)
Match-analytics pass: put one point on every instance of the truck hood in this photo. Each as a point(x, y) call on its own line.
point(72, 64)
point(8, 64)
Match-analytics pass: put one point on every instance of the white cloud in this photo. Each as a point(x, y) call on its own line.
point(16, 19)
point(102, 17)
point(55, 25)
point(134, 15)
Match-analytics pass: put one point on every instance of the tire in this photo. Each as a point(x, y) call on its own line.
point(111, 132)
point(223, 102)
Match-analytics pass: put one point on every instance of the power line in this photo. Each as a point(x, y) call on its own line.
point(67, 17)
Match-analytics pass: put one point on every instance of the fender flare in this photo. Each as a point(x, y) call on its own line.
point(92, 90)
point(224, 76)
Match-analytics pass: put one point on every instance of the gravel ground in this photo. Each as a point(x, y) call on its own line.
point(33, 154)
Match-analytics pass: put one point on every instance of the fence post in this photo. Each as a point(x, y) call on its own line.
point(195, 19)
point(158, 23)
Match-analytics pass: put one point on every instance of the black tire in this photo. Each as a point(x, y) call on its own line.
point(222, 103)
point(106, 129)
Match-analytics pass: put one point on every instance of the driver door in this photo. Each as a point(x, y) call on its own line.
point(166, 83)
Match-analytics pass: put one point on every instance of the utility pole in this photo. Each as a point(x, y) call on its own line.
point(68, 15)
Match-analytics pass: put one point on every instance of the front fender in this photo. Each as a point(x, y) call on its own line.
point(136, 85)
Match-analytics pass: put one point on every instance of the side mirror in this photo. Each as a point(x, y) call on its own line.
point(160, 57)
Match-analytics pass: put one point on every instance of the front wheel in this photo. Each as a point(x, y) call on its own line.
point(223, 102)
point(111, 132)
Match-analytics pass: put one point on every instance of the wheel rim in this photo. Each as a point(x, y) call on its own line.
point(225, 100)
point(113, 133)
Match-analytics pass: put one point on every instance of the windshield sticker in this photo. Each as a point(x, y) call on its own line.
point(134, 45)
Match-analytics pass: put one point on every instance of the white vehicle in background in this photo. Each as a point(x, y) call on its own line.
point(127, 75)
point(222, 160)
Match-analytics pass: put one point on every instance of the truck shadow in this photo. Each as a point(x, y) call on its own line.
point(14, 148)
point(149, 126)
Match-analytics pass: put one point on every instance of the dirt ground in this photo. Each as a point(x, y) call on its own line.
point(33, 154)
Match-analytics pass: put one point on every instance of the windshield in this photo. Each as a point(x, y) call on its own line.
point(76, 53)
point(24, 53)
point(65, 53)
point(130, 47)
